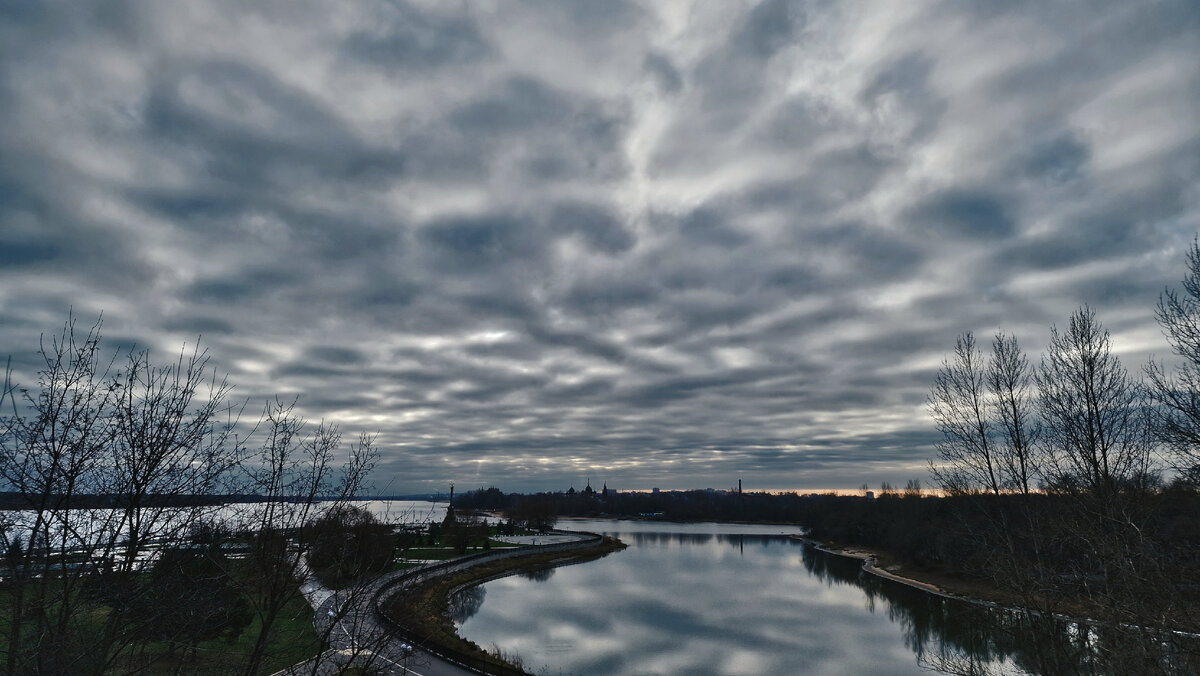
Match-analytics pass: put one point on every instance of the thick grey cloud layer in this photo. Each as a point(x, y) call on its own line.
point(653, 244)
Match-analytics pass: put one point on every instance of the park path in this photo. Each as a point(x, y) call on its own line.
point(357, 637)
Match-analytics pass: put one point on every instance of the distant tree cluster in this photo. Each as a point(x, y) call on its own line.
point(346, 543)
point(540, 511)
point(120, 555)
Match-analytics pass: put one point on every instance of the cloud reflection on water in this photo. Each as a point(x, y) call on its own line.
point(697, 603)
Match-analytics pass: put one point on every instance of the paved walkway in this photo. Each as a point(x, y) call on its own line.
point(357, 638)
point(544, 539)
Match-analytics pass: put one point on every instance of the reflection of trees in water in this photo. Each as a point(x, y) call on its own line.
point(732, 539)
point(537, 574)
point(668, 538)
point(956, 637)
point(466, 603)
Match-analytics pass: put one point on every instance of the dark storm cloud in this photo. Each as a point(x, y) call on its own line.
point(769, 27)
point(333, 354)
point(559, 136)
point(198, 325)
point(1089, 241)
point(253, 130)
point(474, 244)
point(966, 212)
point(520, 104)
point(403, 37)
point(664, 72)
point(646, 243)
point(868, 251)
point(608, 295)
point(16, 251)
point(576, 341)
point(600, 228)
point(1061, 159)
point(707, 227)
point(904, 85)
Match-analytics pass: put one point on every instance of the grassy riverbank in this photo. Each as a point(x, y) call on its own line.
point(424, 610)
point(293, 640)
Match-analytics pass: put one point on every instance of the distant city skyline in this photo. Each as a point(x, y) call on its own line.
point(655, 243)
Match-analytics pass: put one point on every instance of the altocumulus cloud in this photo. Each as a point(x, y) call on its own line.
point(650, 243)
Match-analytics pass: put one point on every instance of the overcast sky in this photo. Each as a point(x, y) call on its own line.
point(651, 244)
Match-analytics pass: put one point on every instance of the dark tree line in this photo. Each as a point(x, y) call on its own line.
point(121, 555)
point(541, 510)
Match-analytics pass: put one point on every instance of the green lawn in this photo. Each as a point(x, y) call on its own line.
point(293, 640)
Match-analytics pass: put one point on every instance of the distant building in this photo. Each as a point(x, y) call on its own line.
point(870, 495)
point(450, 521)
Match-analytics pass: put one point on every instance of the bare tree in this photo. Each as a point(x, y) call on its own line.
point(115, 463)
point(93, 435)
point(50, 448)
point(959, 405)
point(912, 489)
point(1178, 395)
point(985, 413)
point(1080, 426)
point(1097, 436)
point(297, 475)
point(1010, 381)
point(167, 440)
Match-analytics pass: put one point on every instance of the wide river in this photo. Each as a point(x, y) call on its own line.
point(725, 599)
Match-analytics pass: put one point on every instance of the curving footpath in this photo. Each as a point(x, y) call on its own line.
point(868, 565)
point(359, 635)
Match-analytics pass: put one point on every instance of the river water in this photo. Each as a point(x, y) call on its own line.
point(744, 599)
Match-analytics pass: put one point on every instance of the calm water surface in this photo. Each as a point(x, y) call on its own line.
point(722, 599)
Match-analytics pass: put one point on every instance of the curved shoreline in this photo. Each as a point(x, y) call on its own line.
point(428, 624)
point(869, 560)
point(869, 566)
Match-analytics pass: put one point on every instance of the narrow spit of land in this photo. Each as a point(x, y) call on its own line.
point(415, 634)
point(886, 565)
point(422, 611)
